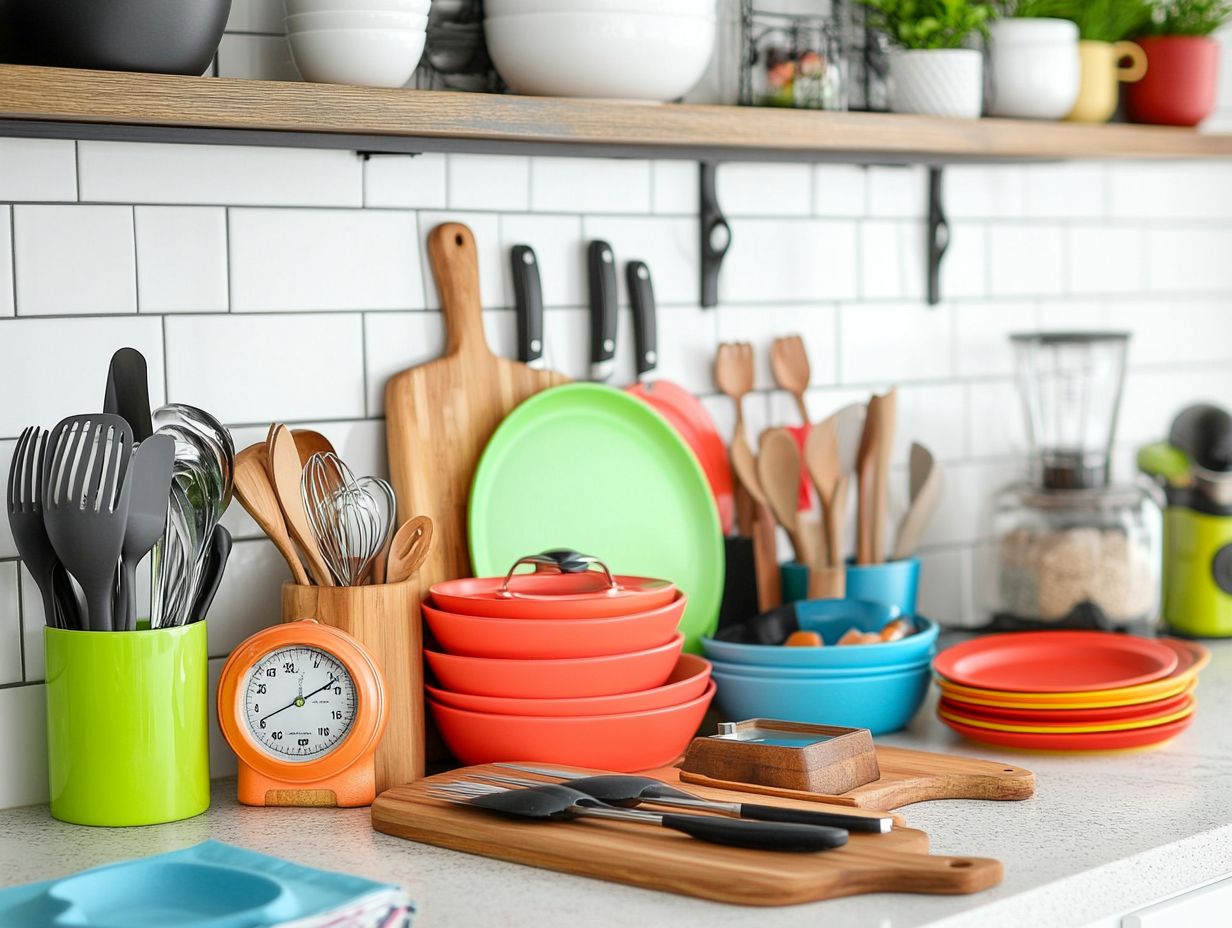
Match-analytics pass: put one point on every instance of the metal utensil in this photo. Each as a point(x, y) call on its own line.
point(215, 436)
point(217, 553)
point(150, 476)
point(553, 801)
point(382, 495)
point(925, 489)
point(128, 392)
point(408, 549)
point(25, 506)
point(256, 493)
point(85, 504)
point(621, 790)
point(348, 520)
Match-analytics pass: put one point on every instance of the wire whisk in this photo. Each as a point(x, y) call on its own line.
point(350, 517)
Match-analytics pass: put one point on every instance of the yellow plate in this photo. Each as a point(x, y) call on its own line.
point(1094, 699)
point(1125, 725)
point(1006, 704)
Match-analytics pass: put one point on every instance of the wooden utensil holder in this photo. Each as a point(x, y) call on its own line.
point(385, 618)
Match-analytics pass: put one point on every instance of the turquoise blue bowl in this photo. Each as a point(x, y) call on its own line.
point(813, 673)
point(896, 583)
point(831, 618)
point(880, 702)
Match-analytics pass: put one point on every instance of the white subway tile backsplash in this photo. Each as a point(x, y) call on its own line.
point(10, 624)
point(675, 187)
point(7, 307)
point(560, 252)
point(1153, 397)
point(892, 260)
point(131, 172)
point(946, 588)
point(1066, 191)
point(968, 489)
point(181, 259)
point(964, 268)
point(996, 420)
point(897, 192)
point(686, 340)
point(668, 245)
point(489, 182)
point(23, 719)
point(1070, 315)
point(839, 190)
point(405, 181)
point(303, 260)
point(8, 548)
point(256, 58)
point(261, 368)
point(394, 342)
point(982, 336)
point(746, 189)
point(492, 257)
point(250, 596)
point(895, 342)
point(74, 260)
point(1026, 259)
point(38, 169)
point(773, 261)
point(256, 16)
point(33, 621)
point(1181, 260)
point(984, 192)
point(574, 185)
point(58, 367)
point(222, 760)
point(1104, 259)
point(1171, 191)
point(761, 325)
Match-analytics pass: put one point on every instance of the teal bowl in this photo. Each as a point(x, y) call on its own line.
point(813, 673)
point(831, 618)
point(880, 702)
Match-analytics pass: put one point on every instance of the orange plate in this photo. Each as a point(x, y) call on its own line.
point(687, 682)
point(622, 743)
point(1056, 662)
point(1187, 708)
point(1097, 741)
point(1062, 715)
point(549, 595)
point(542, 639)
point(557, 679)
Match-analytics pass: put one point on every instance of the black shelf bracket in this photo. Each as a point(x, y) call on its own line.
point(938, 234)
point(715, 234)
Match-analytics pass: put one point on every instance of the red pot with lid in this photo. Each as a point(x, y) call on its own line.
point(564, 585)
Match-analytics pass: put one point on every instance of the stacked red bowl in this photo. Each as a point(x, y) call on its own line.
point(567, 665)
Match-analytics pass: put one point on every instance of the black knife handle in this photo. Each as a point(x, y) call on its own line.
point(764, 836)
point(602, 266)
point(528, 301)
point(645, 335)
point(864, 823)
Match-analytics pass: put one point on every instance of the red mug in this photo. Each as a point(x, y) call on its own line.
point(1179, 86)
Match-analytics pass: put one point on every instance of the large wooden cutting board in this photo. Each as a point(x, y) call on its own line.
point(906, 777)
point(657, 858)
point(440, 415)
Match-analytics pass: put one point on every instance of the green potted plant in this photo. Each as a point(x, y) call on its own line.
point(1182, 63)
point(1034, 66)
point(931, 71)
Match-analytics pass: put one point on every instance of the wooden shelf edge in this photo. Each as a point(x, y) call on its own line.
point(122, 105)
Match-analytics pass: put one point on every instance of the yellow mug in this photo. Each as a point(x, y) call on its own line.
point(1105, 65)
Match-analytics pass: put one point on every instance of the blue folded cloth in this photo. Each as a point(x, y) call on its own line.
point(211, 885)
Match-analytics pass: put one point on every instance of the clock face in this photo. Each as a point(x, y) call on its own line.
point(299, 703)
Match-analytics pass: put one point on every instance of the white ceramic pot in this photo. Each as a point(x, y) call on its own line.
point(367, 57)
point(295, 7)
point(1035, 69)
point(366, 19)
point(937, 82)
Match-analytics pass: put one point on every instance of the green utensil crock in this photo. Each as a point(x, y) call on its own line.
point(127, 725)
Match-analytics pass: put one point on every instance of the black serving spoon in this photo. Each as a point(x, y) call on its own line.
point(555, 802)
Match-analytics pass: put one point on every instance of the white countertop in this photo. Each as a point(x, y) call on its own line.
point(1103, 835)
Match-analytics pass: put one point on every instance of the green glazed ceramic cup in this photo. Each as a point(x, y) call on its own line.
point(127, 725)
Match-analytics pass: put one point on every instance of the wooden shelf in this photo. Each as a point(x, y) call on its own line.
point(54, 102)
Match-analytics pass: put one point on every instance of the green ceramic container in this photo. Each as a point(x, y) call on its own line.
point(127, 725)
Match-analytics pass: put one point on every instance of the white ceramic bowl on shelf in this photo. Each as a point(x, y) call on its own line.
point(707, 8)
point(296, 7)
point(356, 19)
point(366, 57)
point(630, 56)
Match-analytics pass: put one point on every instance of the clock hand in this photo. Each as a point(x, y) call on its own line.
point(299, 699)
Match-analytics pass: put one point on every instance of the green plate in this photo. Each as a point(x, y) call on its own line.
point(587, 467)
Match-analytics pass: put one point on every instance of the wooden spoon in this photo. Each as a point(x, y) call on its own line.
point(866, 467)
point(733, 374)
point(925, 484)
point(790, 363)
point(256, 493)
point(887, 413)
point(308, 443)
point(778, 466)
point(825, 468)
point(287, 470)
point(408, 549)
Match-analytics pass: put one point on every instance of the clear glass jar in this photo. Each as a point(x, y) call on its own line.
point(1074, 558)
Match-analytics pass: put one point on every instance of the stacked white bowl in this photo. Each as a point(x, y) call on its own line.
point(616, 49)
point(373, 43)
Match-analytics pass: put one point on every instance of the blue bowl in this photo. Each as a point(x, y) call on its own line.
point(830, 618)
point(880, 702)
point(763, 672)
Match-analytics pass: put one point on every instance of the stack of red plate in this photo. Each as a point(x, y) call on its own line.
point(1069, 690)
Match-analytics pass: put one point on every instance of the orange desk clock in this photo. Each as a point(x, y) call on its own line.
point(303, 707)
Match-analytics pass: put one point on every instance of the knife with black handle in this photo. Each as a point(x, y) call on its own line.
point(645, 337)
point(528, 302)
point(601, 264)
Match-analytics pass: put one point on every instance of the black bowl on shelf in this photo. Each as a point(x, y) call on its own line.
point(160, 36)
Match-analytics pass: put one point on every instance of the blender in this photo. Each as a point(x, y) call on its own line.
point(1070, 548)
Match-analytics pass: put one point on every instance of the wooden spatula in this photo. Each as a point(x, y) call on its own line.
point(286, 470)
point(733, 374)
point(410, 546)
point(256, 493)
point(440, 415)
point(825, 468)
point(778, 466)
point(308, 443)
point(887, 413)
point(925, 485)
point(790, 363)
point(866, 470)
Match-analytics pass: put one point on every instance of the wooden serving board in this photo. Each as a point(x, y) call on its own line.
point(658, 858)
point(440, 415)
point(906, 777)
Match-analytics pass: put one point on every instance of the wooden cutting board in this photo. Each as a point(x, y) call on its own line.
point(440, 415)
point(657, 858)
point(906, 777)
